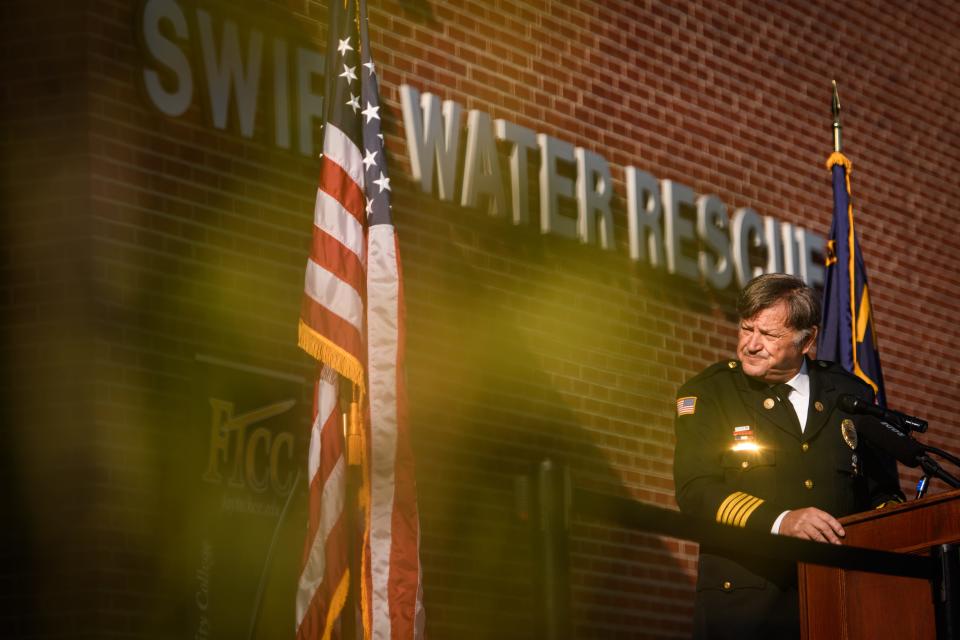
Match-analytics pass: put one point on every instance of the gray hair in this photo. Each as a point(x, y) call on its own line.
point(803, 302)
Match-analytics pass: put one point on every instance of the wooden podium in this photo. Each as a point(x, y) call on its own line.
point(852, 605)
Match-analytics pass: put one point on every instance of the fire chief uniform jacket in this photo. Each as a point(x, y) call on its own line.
point(774, 468)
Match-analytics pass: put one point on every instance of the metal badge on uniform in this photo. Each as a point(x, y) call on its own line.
point(769, 403)
point(849, 433)
point(818, 405)
point(686, 406)
point(853, 464)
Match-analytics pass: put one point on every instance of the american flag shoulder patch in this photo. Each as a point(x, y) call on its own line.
point(686, 406)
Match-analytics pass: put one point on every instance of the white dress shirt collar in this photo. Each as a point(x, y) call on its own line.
point(800, 394)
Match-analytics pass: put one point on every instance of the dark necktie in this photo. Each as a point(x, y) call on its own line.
point(782, 392)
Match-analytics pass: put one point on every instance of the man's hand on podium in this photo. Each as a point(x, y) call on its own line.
point(811, 523)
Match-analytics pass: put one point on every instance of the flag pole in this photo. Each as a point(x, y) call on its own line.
point(353, 517)
point(837, 141)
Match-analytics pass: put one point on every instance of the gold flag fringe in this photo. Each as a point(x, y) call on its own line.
point(838, 158)
point(327, 352)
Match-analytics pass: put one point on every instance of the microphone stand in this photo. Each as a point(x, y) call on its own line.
point(940, 452)
point(904, 424)
point(932, 468)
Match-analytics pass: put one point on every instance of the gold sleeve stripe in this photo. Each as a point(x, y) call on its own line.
point(730, 502)
point(741, 519)
point(737, 508)
point(733, 517)
point(726, 502)
point(750, 513)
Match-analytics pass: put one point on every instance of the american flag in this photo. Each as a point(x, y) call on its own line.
point(686, 406)
point(352, 321)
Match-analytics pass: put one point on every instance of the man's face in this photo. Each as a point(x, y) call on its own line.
point(768, 348)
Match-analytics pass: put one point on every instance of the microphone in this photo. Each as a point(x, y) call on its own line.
point(891, 440)
point(852, 404)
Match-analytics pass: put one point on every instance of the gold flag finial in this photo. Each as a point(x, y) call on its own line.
point(837, 141)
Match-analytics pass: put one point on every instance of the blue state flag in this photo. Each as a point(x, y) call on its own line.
point(847, 332)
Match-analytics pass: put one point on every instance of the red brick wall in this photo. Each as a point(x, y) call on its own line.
point(171, 238)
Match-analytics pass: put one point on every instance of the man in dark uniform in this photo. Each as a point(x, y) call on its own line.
point(763, 444)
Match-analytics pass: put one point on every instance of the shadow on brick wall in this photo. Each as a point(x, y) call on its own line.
point(498, 375)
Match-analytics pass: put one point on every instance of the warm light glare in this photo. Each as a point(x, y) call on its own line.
point(746, 446)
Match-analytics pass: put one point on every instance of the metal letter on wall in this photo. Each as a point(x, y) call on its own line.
point(168, 54)
point(677, 228)
point(431, 137)
point(554, 186)
point(522, 140)
point(227, 76)
point(594, 190)
point(481, 166)
point(644, 215)
point(746, 233)
point(712, 226)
